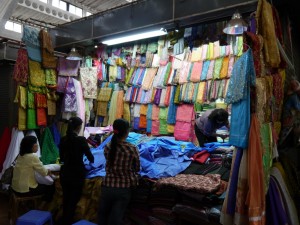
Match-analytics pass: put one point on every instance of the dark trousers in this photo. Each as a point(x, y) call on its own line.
point(113, 205)
point(72, 190)
point(202, 138)
point(46, 190)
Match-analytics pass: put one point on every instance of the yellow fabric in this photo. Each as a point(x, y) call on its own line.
point(200, 92)
point(23, 97)
point(37, 74)
point(24, 177)
point(266, 27)
point(113, 108)
point(170, 128)
point(126, 113)
point(196, 54)
point(143, 109)
point(224, 69)
point(210, 52)
point(102, 108)
point(21, 119)
point(51, 105)
point(104, 94)
point(120, 102)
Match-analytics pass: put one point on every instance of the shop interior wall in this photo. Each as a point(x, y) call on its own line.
point(8, 112)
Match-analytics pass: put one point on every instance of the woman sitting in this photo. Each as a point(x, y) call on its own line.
point(27, 163)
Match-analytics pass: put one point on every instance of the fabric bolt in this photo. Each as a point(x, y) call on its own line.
point(216, 46)
point(205, 68)
point(184, 71)
point(196, 54)
point(31, 119)
point(210, 51)
point(31, 38)
point(204, 52)
point(142, 122)
point(196, 72)
point(224, 67)
point(210, 71)
point(155, 127)
point(167, 96)
point(162, 98)
point(149, 112)
point(155, 112)
point(149, 78)
point(68, 67)
point(51, 77)
point(157, 96)
point(112, 108)
point(143, 109)
point(88, 78)
point(217, 68)
point(120, 111)
point(200, 93)
point(20, 73)
point(149, 126)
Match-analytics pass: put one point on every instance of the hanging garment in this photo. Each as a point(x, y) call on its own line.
point(37, 77)
point(224, 67)
point(243, 76)
point(69, 101)
point(50, 152)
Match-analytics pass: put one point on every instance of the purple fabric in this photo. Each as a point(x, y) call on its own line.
point(141, 77)
point(157, 96)
point(61, 84)
point(70, 103)
point(136, 122)
point(233, 183)
point(253, 25)
point(68, 67)
point(123, 73)
point(275, 212)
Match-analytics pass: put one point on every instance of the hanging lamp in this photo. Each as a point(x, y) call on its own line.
point(74, 55)
point(236, 25)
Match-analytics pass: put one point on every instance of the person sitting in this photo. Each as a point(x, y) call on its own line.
point(207, 125)
point(24, 182)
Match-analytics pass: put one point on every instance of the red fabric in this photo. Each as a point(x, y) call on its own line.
point(4, 144)
point(201, 157)
point(41, 117)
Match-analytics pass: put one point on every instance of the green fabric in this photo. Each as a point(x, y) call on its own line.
point(50, 75)
point(190, 72)
point(196, 87)
point(49, 151)
point(152, 47)
point(217, 68)
point(129, 75)
point(30, 100)
point(265, 133)
point(177, 94)
point(31, 119)
point(166, 76)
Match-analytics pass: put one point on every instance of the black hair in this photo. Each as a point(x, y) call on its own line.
point(121, 128)
point(26, 144)
point(219, 115)
point(73, 124)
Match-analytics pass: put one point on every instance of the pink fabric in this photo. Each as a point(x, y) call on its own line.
point(183, 131)
point(230, 65)
point(185, 112)
point(196, 72)
point(155, 127)
point(184, 71)
point(155, 112)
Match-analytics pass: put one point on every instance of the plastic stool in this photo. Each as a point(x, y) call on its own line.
point(35, 217)
point(84, 222)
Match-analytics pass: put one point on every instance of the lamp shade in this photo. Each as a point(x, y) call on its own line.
point(74, 55)
point(236, 25)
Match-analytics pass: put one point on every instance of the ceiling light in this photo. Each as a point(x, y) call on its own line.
point(236, 25)
point(135, 37)
point(74, 55)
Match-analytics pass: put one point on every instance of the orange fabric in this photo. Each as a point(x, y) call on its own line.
point(143, 121)
point(256, 194)
point(224, 69)
point(167, 98)
point(119, 111)
point(40, 100)
point(41, 117)
point(143, 109)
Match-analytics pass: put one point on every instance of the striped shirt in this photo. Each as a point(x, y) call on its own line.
point(123, 172)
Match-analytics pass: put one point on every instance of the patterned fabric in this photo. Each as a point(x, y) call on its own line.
point(209, 183)
point(224, 68)
point(104, 94)
point(68, 67)
point(50, 77)
point(88, 78)
point(70, 103)
point(49, 61)
point(21, 118)
point(40, 100)
point(37, 76)
point(51, 107)
point(20, 73)
point(30, 100)
point(31, 39)
point(102, 108)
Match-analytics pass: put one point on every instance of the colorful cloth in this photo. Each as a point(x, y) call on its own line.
point(68, 67)
point(88, 78)
point(20, 73)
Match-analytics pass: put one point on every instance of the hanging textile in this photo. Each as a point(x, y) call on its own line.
point(50, 152)
point(49, 61)
point(37, 77)
point(20, 73)
point(243, 76)
point(68, 67)
point(31, 39)
point(88, 78)
point(69, 101)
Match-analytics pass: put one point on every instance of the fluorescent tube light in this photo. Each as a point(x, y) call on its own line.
point(135, 37)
